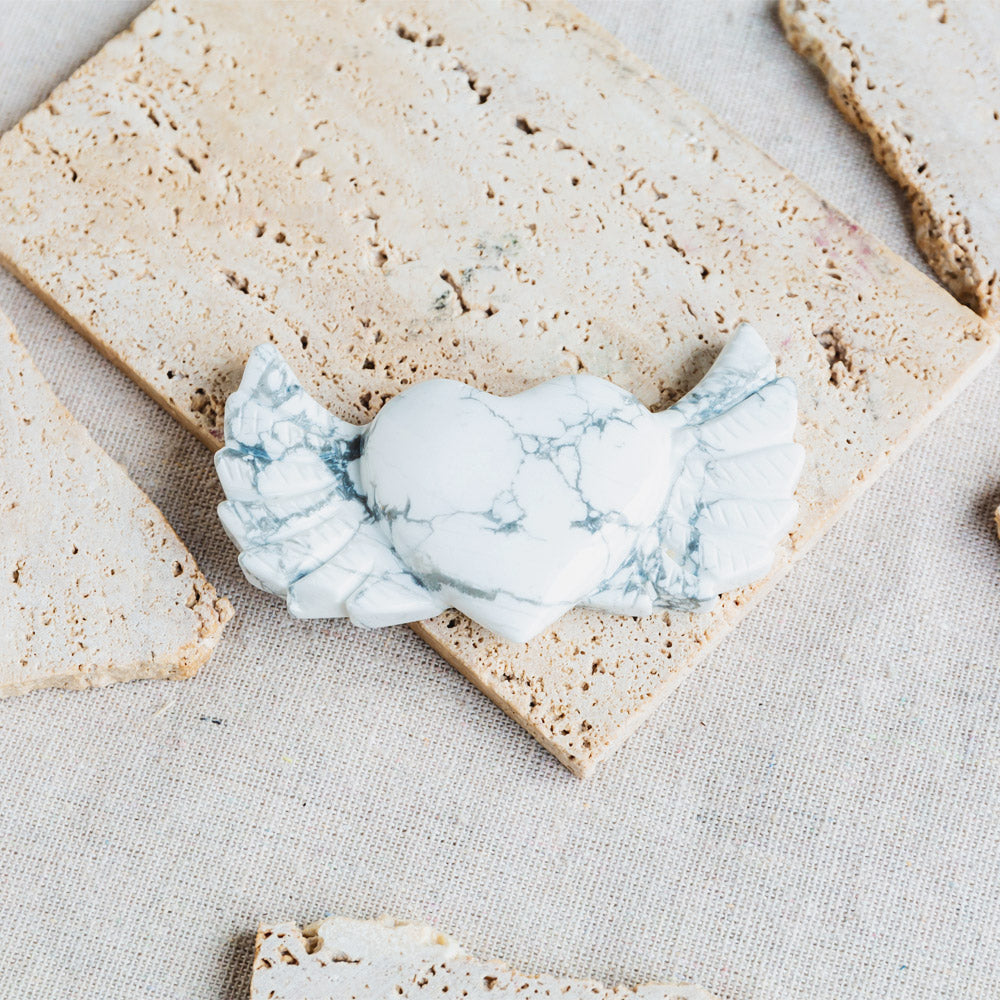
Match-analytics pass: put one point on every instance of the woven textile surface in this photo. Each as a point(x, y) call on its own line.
point(813, 815)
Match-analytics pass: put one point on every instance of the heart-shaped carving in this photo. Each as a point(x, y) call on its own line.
point(516, 508)
point(511, 509)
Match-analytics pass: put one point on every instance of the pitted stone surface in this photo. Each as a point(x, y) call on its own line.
point(95, 587)
point(344, 959)
point(922, 81)
point(498, 195)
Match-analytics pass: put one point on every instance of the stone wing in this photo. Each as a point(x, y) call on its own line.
point(295, 509)
point(731, 499)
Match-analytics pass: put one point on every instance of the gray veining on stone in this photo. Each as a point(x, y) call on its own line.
point(512, 510)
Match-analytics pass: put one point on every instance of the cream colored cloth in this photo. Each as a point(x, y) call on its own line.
point(812, 816)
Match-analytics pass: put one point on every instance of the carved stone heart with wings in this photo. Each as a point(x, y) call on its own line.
point(512, 510)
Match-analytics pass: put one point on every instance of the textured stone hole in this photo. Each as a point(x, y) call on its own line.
point(838, 355)
point(447, 277)
point(188, 159)
point(241, 284)
point(481, 90)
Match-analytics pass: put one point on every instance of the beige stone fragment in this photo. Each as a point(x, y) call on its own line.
point(95, 587)
point(498, 193)
point(342, 959)
point(921, 78)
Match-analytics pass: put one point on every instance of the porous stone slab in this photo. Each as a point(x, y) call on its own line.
point(95, 587)
point(498, 193)
point(922, 81)
point(343, 959)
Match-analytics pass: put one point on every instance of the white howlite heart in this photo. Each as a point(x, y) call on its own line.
point(512, 510)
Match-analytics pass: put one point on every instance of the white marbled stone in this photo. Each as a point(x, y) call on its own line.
point(512, 510)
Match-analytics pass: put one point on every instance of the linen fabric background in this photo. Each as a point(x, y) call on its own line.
point(812, 816)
